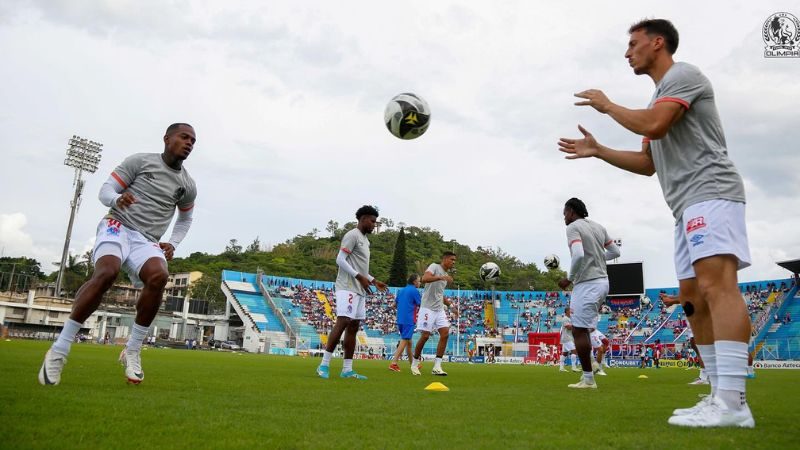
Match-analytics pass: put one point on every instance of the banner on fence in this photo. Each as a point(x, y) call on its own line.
point(772, 364)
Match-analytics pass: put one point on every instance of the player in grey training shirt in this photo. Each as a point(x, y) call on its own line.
point(685, 145)
point(590, 247)
point(352, 287)
point(143, 193)
point(431, 315)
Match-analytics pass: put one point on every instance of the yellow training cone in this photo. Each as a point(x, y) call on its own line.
point(642, 376)
point(439, 387)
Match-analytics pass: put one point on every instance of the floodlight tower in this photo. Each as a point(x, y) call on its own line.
point(84, 156)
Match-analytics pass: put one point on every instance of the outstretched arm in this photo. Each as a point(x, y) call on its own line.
point(652, 122)
point(640, 162)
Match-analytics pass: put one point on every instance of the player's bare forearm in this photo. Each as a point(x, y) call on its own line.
point(636, 162)
point(640, 121)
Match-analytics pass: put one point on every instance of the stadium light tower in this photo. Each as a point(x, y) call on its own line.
point(84, 156)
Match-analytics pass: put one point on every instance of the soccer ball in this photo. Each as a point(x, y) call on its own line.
point(407, 116)
point(551, 261)
point(489, 271)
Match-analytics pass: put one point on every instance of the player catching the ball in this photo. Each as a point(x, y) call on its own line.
point(685, 146)
point(590, 248)
point(352, 287)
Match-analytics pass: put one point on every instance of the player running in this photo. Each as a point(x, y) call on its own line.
point(590, 248)
point(352, 287)
point(408, 299)
point(142, 193)
point(567, 344)
point(432, 315)
point(685, 145)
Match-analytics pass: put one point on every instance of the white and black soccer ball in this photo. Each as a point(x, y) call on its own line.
point(489, 271)
point(551, 261)
point(407, 116)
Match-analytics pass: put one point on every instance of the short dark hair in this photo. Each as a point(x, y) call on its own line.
point(412, 278)
point(366, 210)
point(578, 206)
point(659, 27)
point(175, 126)
point(447, 254)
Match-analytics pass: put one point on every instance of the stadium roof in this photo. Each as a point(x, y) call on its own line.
point(792, 266)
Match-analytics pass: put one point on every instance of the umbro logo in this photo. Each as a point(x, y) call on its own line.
point(149, 176)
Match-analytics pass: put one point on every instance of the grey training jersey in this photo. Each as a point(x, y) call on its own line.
point(594, 239)
point(158, 189)
point(566, 334)
point(433, 296)
point(692, 159)
point(356, 245)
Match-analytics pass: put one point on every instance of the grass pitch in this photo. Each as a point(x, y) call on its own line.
point(201, 399)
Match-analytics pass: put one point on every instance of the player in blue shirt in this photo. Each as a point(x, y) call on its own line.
point(408, 300)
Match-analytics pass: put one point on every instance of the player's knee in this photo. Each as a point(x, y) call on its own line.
point(688, 308)
point(157, 279)
point(444, 332)
point(105, 275)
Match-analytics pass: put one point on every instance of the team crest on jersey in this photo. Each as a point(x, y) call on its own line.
point(113, 227)
point(695, 224)
point(179, 193)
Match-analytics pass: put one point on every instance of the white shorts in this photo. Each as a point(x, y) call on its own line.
point(351, 304)
point(585, 303)
point(709, 228)
point(567, 347)
point(597, 338)
point(429, 320)
point(130, 246)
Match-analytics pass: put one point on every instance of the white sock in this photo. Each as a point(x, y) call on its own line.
point(588, 377)
point(731, 372)
point(348, 365)
point(138, 334)
point(437, 363)
point(703, 375)
point(415, 362)
point(66, 337)
point(326, 358)
point(573, 358)
point(561, 362)
point(709, 355)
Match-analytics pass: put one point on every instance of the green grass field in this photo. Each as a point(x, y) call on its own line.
point(202, 399)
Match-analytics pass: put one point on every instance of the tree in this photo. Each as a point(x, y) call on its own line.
point(333, 227)
point(399, 271)
point(254, 246)
point(208, 288)
point(233, 248)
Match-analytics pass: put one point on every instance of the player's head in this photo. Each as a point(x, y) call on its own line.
point(179, 140)
point(448, 260)
point(574, 209)
point(650, 39)
point(367, 217)
point(414, 279)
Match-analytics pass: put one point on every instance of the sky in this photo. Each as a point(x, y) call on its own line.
point(287, 102)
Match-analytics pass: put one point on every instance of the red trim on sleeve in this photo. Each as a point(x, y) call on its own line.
point(680, 101)
point(187, 208)
point(346, 250)
point(608, 243)
point(574, 242)
point(119, 180)
point(645, 140)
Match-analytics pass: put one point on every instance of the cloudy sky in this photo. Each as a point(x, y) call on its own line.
point(287, 100)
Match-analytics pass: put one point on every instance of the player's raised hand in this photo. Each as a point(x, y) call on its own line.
point(594, 98)
point(125, 200)
point(168, 249)
point(579, 148)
